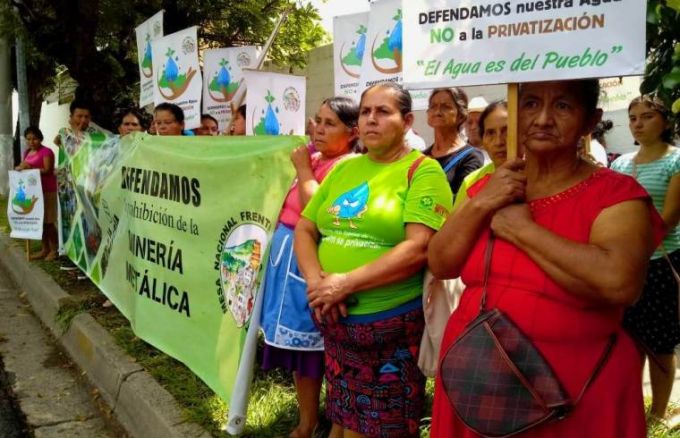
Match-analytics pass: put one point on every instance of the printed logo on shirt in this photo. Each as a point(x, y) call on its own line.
point(426, 202)
point(350, 205)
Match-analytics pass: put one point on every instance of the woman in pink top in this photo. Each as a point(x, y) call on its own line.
point(41, 157)
point(292, 341)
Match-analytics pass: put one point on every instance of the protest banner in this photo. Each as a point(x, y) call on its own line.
point(177, 74)
point(71, 143)
point(349, 44)
point(147, 32)
point(222, 77)
point(25, 206)
point(489, 42)
point(383, 57)
point(177, 246)
point(275, 103)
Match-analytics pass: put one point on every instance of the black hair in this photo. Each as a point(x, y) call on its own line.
point(242, 110)
point(79, 104)
point(488, 110)
point(600, 130)
point(403, 97)
point(345, 108)
point(141, 116)
point(35, 131)
point(460, 99)
point(208, 116)
point(171, 107)
point(656, 104)
point(347, 111)
point(590, 93)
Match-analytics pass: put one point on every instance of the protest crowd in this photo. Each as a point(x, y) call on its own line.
point(545, 273)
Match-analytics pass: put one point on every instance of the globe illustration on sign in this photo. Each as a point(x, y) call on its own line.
point(390, 49)
point(351, 61)
point(171, 78)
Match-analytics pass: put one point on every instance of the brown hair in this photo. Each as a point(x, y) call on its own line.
point(460, 99)
point(655, 104)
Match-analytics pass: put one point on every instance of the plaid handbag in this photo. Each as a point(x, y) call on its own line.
point(498, 383)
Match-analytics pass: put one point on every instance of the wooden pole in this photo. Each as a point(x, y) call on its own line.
point(28, 249)
point(513, 101)
point(240, 94)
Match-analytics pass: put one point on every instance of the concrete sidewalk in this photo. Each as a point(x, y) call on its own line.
point(49, 391)
point(138, 402)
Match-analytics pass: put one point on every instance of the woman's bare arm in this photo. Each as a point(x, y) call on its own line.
point(609, 269)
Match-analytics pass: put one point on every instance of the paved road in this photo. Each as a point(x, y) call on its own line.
point(12, 423)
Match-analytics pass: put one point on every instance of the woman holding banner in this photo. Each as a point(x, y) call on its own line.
point(653, 320)
point(557, 247)
point(292, 341)
point(41, 157)
point(362, 243)
point(446, 114)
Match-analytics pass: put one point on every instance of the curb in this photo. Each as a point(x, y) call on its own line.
point(139, 403)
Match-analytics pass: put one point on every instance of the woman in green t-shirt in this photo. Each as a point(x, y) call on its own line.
point(361, 245)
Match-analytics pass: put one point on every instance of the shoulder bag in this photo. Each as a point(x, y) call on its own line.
point(498, 382)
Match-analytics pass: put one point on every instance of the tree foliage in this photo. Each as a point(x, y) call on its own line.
point(95, 39)
point(662, 75)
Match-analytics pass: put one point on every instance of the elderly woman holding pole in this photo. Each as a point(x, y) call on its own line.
point(552, 249)
point(361, 245)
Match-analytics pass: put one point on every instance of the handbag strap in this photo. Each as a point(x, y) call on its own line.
point(412, 169)
point(598, 366)
point(609, 347)
point(487, 269)
point(462, 153)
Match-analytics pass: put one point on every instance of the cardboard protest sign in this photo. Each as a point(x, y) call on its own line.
point(488, 42)
point(275, 103)
point(147, 32)
point(618, 92)
point(222, 77)
point(383, 56)
point(177, 75)
point(181, 257)
point(25, 205)
point(349, 45)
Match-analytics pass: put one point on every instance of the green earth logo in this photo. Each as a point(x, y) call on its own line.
point(355, 54)
point(391, 48)
point(20, 203)
point(269, 124)
point(147, 64)
point(171, 79)
point(240, 269)
point(221, 87)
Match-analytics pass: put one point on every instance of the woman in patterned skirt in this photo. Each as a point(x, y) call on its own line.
point(653, 320)
point(361, 245)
